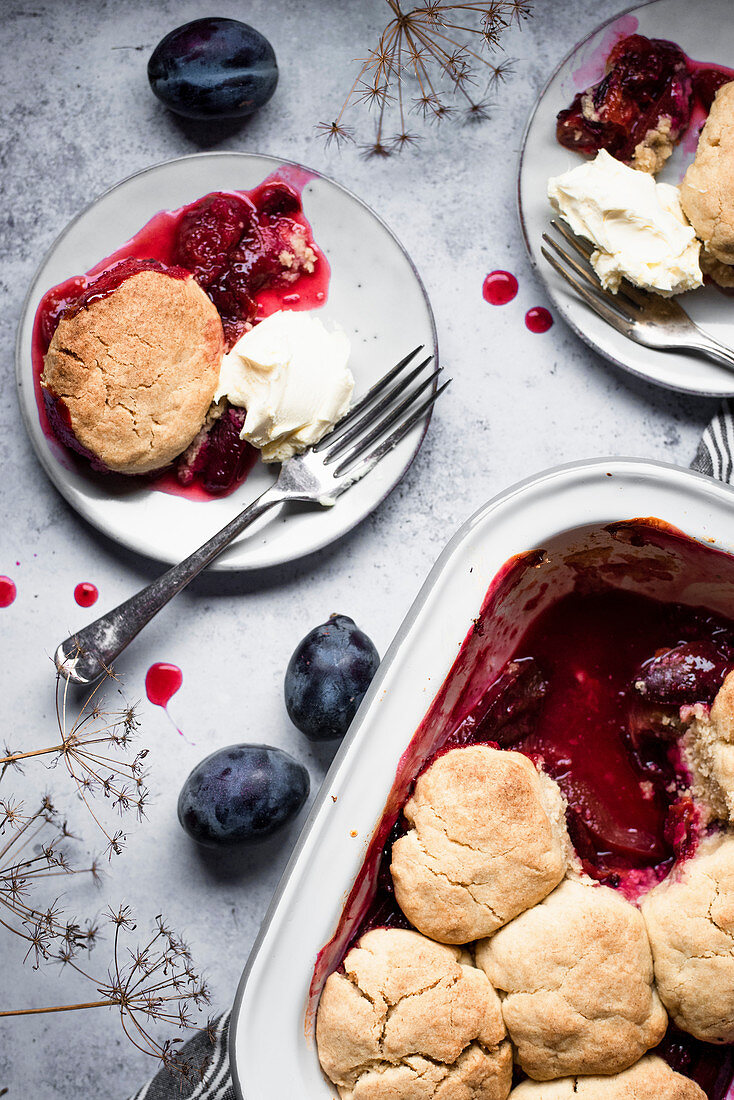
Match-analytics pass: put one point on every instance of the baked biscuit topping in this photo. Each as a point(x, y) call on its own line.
point(487, 840)
point(577, 976)
point(707, 193)
point(134, 372)
point(690, 921)
point(413, 1019)
point(649, 1079)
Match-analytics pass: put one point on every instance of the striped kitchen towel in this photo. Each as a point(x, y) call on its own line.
point(208, 1056)
point(715, 454)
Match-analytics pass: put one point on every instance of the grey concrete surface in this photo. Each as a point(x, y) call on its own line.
point(78, 116)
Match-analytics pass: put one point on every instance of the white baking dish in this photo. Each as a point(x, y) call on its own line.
point(564, 510)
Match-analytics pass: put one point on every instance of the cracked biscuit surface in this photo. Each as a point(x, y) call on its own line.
point(649, 1079)
point(577, 977)
point(707, 191)
point(690, 921)
point(487, 840)
point(135, 371)
point(410, 1019)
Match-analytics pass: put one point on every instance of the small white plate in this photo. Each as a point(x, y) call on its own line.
point(375, 294)
point(705, 31)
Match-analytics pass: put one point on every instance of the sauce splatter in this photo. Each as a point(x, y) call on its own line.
point(162, 681)
point(538, 319)
point(499, 288)
point(86, 594)
point(8, 591)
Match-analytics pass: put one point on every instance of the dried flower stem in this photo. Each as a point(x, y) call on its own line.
point(57, 1008)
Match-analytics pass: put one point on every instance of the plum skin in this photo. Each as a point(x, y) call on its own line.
point(241, 794)
point(213, 69)
point(327, 678)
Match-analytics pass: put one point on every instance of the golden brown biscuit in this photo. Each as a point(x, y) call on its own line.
point(136, 371)
point(709, 748)
point(577, 976)
point(649, 1079)
point(487, 841)
point(707, 191)
point(410, 1019)
point(690, 921)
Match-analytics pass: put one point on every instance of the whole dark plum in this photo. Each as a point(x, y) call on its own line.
point(327, 677)
point(213, 68)
point(241, 794)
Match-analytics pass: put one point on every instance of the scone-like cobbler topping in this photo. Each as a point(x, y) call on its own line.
point(690, 921)
point(486, 840)
point(649, 1079)
point(411, 1019)
point(132, 368)
point(577, 977)
point(707, 191)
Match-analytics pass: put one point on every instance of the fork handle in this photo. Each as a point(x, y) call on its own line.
point(86, 656)
point(714, 350)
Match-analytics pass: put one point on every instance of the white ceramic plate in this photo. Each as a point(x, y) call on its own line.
point(705, 31)
point(375, 295)
point(562, 510)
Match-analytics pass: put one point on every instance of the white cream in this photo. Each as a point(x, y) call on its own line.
point(290, 374)
point(637, 226)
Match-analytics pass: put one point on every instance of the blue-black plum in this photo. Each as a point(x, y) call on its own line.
point(241, 794)
point(213, 68)
point(327, 677)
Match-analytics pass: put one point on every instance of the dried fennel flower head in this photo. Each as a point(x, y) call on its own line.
point(433, 60)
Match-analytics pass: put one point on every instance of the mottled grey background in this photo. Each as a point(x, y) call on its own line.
point(79, 116)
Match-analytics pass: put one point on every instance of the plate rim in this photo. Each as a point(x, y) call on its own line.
point(568, 320)
point(51, 467)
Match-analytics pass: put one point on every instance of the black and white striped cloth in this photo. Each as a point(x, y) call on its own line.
point(715, 454)
point(208, 1050)
point(715, 457)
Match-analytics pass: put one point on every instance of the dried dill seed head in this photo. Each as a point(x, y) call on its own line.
point(435, 59)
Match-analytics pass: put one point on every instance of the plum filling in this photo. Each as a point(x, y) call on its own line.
point(251, 252)
point(218, 458)
point(235, 247)
point(647, 89)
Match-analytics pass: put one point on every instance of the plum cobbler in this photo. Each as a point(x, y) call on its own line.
point(127, 357)
point(657, 236)
point(559, 838)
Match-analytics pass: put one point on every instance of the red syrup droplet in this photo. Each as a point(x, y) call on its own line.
point(538, 319)
point(8, 591)
point(499, 288)
point(162, 681)
point(86, 594)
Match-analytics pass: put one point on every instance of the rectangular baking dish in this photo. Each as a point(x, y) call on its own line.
point(565, 512)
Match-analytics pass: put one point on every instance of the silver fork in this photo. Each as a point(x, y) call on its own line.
point(318, 476)
point(647, 319)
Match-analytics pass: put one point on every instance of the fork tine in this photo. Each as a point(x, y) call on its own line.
point(364, 402)
point(386, 422)
point(592, 300)
point(587, 275)
point(370, 461)
point(634, 295)
point(334, 447)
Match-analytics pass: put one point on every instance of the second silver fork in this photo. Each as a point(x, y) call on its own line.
point(646, 318)
point(318, 476)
